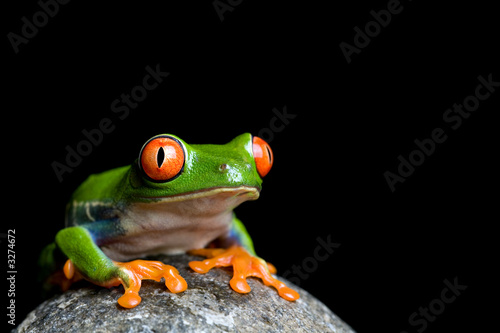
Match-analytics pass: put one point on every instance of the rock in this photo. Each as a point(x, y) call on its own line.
point(208, 305)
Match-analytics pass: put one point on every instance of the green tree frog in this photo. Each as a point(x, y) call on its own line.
point(175, 198)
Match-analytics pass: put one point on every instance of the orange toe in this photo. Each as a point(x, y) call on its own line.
point(67, 277)
point(271, 268)
point(129, 300)
point(69, 269)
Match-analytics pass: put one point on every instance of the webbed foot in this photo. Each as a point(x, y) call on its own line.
point(244, 265)
point(134, 272)
point(130, 275)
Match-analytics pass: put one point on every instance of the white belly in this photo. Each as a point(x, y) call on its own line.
point(174, 226)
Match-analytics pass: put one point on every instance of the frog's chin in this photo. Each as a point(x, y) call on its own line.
point(242, 192)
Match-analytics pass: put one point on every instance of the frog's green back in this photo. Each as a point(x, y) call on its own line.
point(102, 186)
point(96, 196)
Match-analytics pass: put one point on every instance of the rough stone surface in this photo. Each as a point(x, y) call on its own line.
point(208, 305)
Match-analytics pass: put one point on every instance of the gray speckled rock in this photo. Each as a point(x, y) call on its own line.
point(208, 305)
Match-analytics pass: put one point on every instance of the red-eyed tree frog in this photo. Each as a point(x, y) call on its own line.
point(175, 198)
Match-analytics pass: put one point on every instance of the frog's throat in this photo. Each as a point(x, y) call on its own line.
point(252, 193)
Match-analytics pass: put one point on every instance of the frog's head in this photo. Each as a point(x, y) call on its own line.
point(168, 167)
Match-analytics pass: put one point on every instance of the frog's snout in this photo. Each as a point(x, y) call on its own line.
point(237, 173)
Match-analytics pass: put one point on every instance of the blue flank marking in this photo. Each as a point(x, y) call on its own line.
point(101, 231)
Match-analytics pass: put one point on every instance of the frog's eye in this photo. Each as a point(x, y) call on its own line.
point(263, 156)
point(162, 158)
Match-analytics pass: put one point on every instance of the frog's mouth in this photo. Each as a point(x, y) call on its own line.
point(241, 192)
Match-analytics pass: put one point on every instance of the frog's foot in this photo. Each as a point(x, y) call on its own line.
point(244, 265)
point(132, 273)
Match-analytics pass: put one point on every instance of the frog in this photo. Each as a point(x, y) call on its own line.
point(174, 198)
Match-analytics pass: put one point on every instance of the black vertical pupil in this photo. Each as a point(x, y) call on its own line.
point(160, 157)
point(269, 154)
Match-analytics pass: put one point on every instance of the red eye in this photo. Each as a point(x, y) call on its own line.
point(162, 158)
point(263, 156)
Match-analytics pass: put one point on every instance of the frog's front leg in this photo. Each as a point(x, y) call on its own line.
point(86, 259)
point(241, 256)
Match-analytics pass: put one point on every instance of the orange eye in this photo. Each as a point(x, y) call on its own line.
point(162, 158)
point(263, 156)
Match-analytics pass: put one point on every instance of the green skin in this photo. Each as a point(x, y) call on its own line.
point(121, 214)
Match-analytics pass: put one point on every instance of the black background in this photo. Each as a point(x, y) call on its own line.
point(352, 121)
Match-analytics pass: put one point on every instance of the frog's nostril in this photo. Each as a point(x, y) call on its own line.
point(223, 167)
